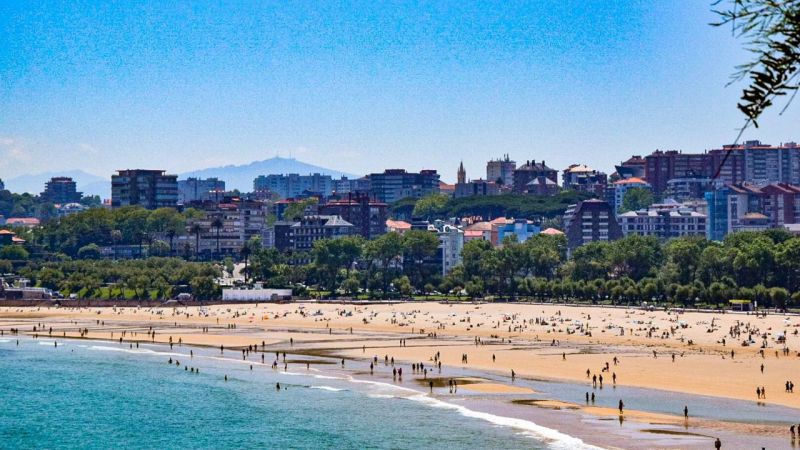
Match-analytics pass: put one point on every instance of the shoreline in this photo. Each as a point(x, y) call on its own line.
point(641, 429)
point(311, 340)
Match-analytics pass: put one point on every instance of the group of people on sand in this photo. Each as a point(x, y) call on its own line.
point(761, 392)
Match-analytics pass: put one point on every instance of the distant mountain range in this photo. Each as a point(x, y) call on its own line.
point(235, 177)
point(241, 177)
point(33, 184)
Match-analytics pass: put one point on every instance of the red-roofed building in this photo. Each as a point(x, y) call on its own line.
point(8, 237)
point(619, 188)
point(397, 226)
point(552, 232)
point(26, 222)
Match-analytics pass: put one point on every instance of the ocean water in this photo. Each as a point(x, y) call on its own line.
point(104, 395)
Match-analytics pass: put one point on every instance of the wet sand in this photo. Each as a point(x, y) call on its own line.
point(564, 343)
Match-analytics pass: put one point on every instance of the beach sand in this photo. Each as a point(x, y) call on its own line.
point(535, 341)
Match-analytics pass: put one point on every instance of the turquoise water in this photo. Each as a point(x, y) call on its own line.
point(102, 395)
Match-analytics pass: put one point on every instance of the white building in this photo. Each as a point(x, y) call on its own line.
point(451, 243)
point(663, 223)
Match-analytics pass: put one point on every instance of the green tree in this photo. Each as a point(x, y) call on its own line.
point(431, 206)
point(636, 199)
point(779, 296)
point(14, 253)
point(385, 251)
point(159, 248)
point(204, 288)
point(89, 251)
point(351, 285)
point(403, 286)
point(635, 256)
point(684, 253)
point(418, 246)
point(296, 210)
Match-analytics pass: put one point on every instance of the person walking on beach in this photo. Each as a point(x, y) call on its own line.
point(513, 375)
point(621, 405)
point(717, 444)
point(758, 392)
point(686, 412)
point(431, 385)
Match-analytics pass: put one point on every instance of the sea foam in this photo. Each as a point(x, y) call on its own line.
point(554, 438)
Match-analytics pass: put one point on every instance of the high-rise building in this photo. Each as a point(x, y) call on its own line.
point(501, 171)
point(748, 207)
point(344, 186)
point(396, 184)
point(662, 166)
point(149, 189)
point(61, 190)
point(294, 185)
point(368, 217)
point(765, 164)
point(717, 226)
point(590, 221)
point(200, 190)
point(451, 244)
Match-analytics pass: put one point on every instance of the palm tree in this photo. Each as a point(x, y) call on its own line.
point(245, 252)
point(116, 236)
point(196, 229)
point(217, 225)
point(171, 236)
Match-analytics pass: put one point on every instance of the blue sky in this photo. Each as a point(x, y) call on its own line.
point(363, 86)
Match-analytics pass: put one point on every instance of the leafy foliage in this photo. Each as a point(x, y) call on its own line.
point(771, 31)
point(491, 206)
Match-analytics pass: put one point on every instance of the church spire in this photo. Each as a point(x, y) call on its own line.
point(462, 174)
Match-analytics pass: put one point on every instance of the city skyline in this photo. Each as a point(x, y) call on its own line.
point(363, 88)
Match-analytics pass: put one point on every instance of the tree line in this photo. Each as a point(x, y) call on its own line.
point(690, 271)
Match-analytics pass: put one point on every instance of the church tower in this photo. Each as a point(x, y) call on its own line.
point(462, 174)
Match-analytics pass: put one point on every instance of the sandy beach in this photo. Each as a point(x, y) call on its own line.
point(689, 353)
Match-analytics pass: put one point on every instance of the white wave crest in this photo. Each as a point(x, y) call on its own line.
point(554, 438)
point(326, 388)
